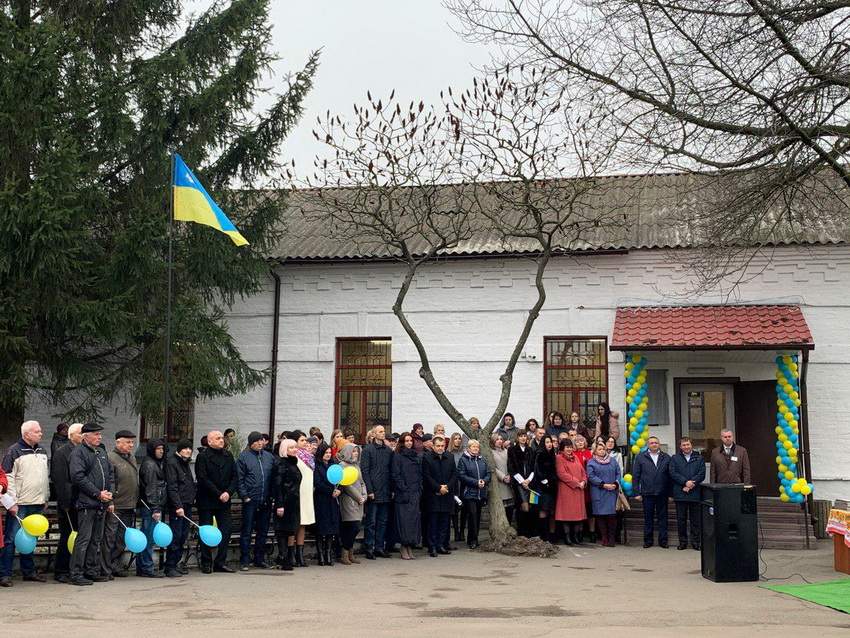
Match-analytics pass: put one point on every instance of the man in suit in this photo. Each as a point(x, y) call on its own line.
point(687, 471)
point(651, 482)
point(729, 461)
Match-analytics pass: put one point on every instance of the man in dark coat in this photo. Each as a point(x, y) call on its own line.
point(153, 499)
point(375, 463)
point(124, 500)
point(94, 481)
point(255, 469)
point(60, 478)
point(215, 470)
point(60, 438)
point(181, 497)
point(439, 478)
point(730, 462)
point(651, 482)
point(687, 471)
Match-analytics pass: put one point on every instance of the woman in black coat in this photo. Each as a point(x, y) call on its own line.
point(325, 502)
point(287, 503)
point(545, 483)
point(407, 485)
point(521, 469)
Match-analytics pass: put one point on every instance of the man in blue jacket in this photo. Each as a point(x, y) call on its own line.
point(255, 476)
point(687, 471)
point(651, 482)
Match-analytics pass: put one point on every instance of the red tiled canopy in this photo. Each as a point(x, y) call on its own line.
point(711, 328)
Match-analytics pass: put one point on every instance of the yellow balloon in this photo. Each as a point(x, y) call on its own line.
point(783, 437)
point(643, 407)
point(782, 489)
point(638, 413)
point(783, 468)
point(788, 417)
point(795, 487)
point(629, 399)
point(349, 475)
point(787, 360)
point(787, 445)
point(794, 395)
point(635, 449)
point(632, 393)
point(71, 540)
point(636, 358)
point(637, 386)
point(644, 435)
point(788, 388)
point(633, 421)
point(783, 382)
point(36, 524)
point(779, 375)
point(805, 490)
point(784, 498)
point(630, 366)
point(641, 442)
point(796, 375)
point(626, 374)
point(792, 367)
point(778, 460)
point(783, 409)
point(215, 522)
point(627, 478)
point(789, 475)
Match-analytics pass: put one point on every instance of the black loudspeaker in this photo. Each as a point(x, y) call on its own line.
point(729, 532)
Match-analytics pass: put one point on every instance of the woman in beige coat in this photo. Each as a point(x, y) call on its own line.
point(306, 465)
point(351, 503)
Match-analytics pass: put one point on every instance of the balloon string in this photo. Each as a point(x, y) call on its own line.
point(68, 516)
point(191, 521)
point(118, 519)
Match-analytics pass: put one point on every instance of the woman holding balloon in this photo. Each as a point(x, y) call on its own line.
point(325, 494)
point(351, 501)
point(407, 485)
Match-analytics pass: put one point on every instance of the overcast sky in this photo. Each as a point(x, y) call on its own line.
point(376, 45)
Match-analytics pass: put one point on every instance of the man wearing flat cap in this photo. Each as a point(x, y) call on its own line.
point(93, 481)
point(124, 498)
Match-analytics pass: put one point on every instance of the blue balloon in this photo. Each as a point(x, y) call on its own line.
point(781, 418)
point(210, 536)
point(783, 395)
point(334, 474)
point(792, 467)
point(162, 534)
point(779, 445)
point(781, 475)
point(778, 388)
point(778, 360)
point(793, 439)
point(134, 540)
point(25, 542)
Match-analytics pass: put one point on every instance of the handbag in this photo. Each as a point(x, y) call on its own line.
point(622, 501)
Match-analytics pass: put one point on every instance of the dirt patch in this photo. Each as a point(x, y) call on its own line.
point(550, 611)
point(513, 545)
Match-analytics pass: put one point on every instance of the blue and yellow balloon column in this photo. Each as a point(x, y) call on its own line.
point(637, 401)
point(793, 488)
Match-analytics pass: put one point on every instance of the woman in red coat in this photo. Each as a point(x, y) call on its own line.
point(4, 485)
point(572, 483)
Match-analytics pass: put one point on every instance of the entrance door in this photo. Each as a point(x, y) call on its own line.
point(706, 409)
point(755, 413)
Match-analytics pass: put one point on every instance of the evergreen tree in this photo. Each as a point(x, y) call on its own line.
point(93, 97)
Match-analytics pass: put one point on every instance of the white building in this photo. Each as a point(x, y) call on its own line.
point(335, 312)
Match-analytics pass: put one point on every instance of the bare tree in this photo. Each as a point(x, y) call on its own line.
point(757, 88)
point(417, 183)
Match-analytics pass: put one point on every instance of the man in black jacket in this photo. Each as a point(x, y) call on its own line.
point(181, 497)
point(93, 481)
point(439, 478)
point(651, 482)
point(60, 478)
point(215, 471)
point(153, 497)
point(375, 467)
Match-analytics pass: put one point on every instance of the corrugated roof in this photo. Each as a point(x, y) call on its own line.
point(637, 212)
point(710, 327)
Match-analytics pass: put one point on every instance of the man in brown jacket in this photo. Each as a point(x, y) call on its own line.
point(729, 462)
point(125, 499)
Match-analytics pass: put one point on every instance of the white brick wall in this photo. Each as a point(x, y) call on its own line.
point(469, 312)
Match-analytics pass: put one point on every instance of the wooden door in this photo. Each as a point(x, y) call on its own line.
point(755, 420)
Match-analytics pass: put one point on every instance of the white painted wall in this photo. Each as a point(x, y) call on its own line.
point(469, 312)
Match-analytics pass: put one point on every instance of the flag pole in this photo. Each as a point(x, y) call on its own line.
point(168, 305)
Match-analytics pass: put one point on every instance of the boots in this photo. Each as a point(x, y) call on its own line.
point(344, 559)
point(320, 550)
point(543, 529)
point(299, 555)
point(288, 559)
point(352, 557)
point(329, 551)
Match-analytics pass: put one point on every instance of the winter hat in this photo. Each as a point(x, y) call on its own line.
point(254, 437)
point(182, 444)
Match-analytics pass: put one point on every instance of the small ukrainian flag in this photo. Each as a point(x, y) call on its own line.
point(533, 497)
point(192, 203)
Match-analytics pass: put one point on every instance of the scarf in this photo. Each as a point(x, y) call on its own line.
point(570, 457)
point(602, 460)
point(305, 456)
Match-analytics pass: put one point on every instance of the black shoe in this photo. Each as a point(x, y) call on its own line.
point(681, 547)
point(663, 545)
point(120, 574)
point(80, 581)
point(382, 554)
point(647, 545)
point(223, 569)
point(153, 574)
point(473, 544)
point(696, 547)
point(5, 582)
point(99, 579)
point(182, 570)
point(173, 573)
point(34, 578)
point(206, 570)
point(370, 555)
point(392, 549)
point(262, 565)
point(62, 578)
point(329, 551)
point(320, 550)
point(433, 553)
point(444, 551)
point(299, 555)
point(289, 557)
point(568, 541)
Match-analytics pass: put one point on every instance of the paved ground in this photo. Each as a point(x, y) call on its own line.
point(621, 591)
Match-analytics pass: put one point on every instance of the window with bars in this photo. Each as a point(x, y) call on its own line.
point(180, 423)
point(575, 376)
point(363, 385)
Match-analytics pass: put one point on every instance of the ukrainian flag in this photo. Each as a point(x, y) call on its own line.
point(533, 497)
point(192, 203)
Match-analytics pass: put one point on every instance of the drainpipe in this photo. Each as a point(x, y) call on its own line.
point(275, 338)
point(804, 430)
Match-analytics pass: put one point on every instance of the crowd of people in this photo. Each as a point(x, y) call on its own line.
point(560, 481)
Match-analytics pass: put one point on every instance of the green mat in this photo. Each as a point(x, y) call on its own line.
point(834, 594)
